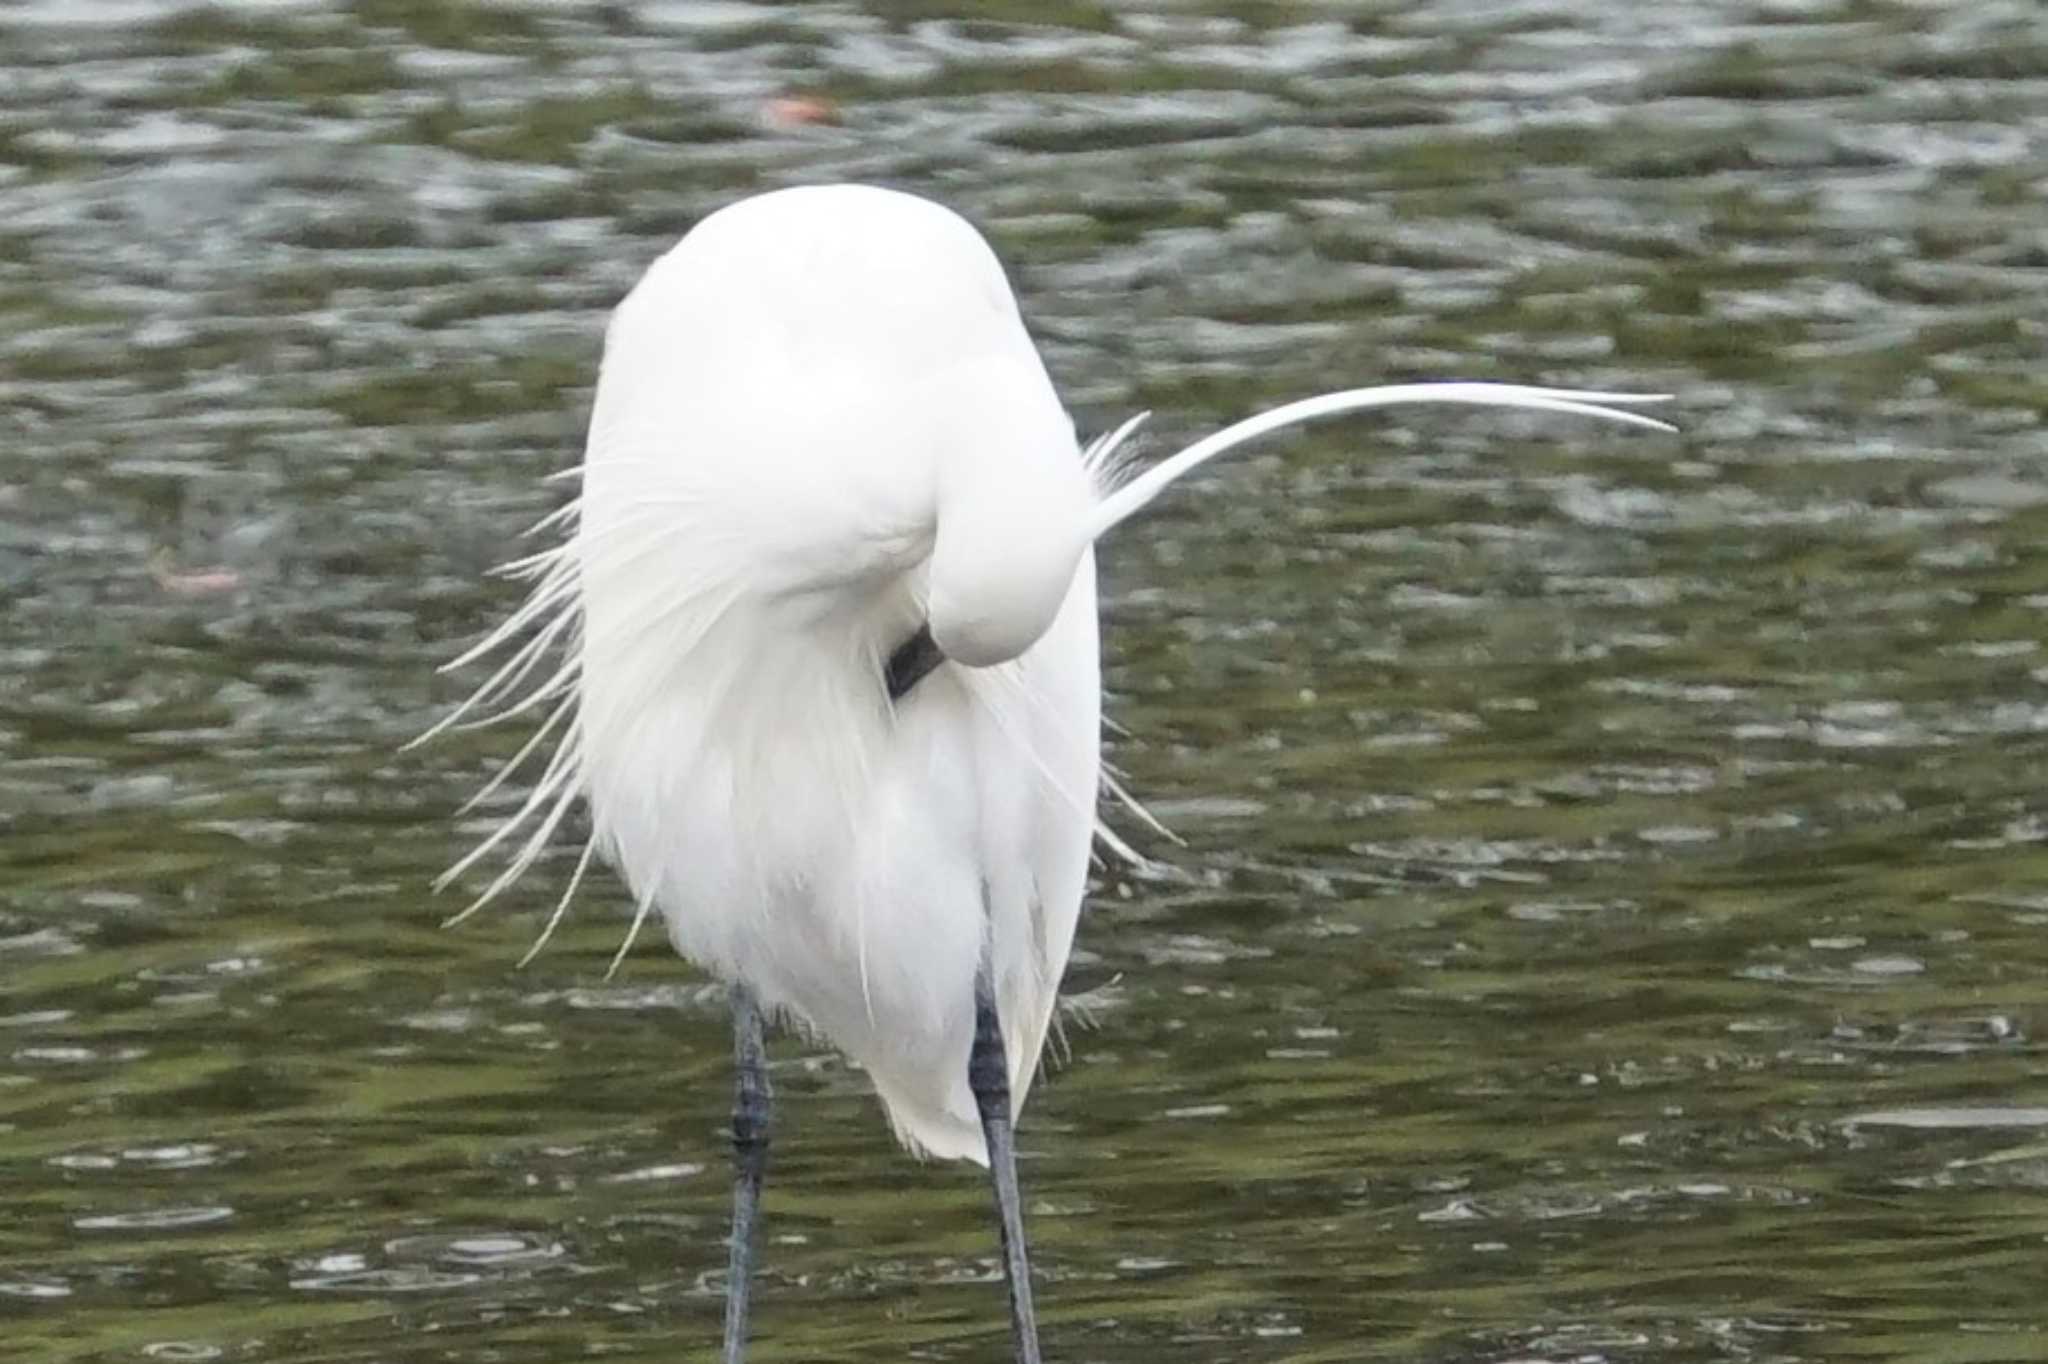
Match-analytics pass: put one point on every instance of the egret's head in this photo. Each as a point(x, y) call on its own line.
point(1012, 516)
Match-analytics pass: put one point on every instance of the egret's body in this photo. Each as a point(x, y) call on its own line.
point(743, 586)
point(822, 445)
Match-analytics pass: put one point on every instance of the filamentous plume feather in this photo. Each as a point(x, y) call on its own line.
point(549, 621)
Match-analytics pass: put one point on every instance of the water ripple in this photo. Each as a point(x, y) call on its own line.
point(1578, 826)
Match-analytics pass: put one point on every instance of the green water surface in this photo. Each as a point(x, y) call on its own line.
point(1612, 923)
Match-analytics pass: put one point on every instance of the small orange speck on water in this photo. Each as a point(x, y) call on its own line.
point(800, 111)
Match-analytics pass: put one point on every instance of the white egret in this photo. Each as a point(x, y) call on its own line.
point(827, 608)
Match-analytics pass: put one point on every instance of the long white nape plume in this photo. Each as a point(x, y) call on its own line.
point(1133, 496)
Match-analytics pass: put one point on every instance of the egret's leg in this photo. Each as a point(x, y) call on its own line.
point(988, 1075)
point(749, 1162)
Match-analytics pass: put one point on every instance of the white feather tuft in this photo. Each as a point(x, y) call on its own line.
point(1118, 506)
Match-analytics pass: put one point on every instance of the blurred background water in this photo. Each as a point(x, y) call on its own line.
point(1613, 919)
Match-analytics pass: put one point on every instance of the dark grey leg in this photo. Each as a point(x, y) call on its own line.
point(988, 1075)
point(750, 1105)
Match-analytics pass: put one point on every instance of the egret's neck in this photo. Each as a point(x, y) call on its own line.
point(1010, 514)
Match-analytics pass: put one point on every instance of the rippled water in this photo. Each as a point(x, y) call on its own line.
point(1614, 911)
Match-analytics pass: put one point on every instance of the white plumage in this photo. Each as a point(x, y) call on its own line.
point(786, 398)
point(834, 355)
point(820, 426)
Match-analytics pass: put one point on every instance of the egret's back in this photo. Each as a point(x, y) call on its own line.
point(788, 400)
